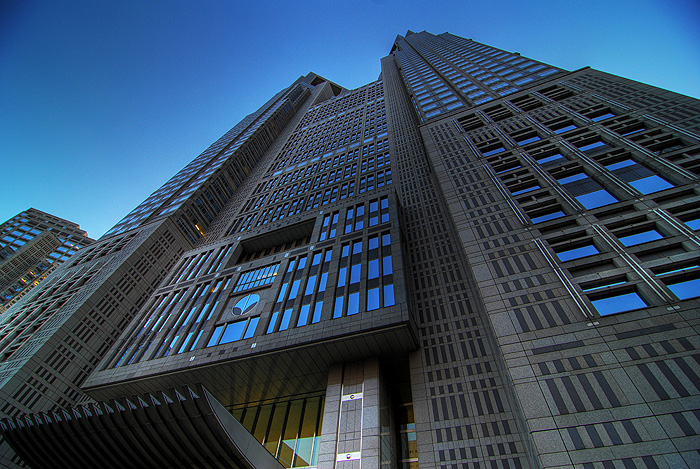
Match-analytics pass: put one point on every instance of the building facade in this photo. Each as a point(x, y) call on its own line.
point(32, 245)
point(478, 260)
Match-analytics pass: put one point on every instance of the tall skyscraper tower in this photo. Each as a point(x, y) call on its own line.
point(32, 245)
point(478, 260)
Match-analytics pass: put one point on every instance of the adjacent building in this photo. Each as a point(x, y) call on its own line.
point(32, 245)
point(478, 260)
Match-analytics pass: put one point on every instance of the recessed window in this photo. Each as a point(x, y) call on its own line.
point(527, 189)
point(596, 199)
point(639, 238)
point(607, 115)
point(494, 151)
point(618, 303)
point(693, 224)
point(565, 129)
point(550, 159)
point(621, 164)
point(593, 147)
point(572, 178)
point(530, 139)
point(651, 184)
point(547, 217)
point(389, 295)
point(577, 253)
point(353, 303)
point(686, 289)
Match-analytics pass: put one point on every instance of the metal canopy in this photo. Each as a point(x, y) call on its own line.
point(180, 428)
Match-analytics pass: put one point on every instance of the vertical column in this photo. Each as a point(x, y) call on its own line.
point(351, 418)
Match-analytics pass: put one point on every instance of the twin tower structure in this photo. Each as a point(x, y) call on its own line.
point(477, 261)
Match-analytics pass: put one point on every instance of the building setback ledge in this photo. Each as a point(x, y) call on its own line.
point(179, 428)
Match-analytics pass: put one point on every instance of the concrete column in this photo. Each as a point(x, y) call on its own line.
point(352, 426)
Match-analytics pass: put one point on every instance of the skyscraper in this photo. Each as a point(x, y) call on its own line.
point(32, 245)
point(478, 260)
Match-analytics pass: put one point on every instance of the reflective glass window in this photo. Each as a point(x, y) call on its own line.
point(338, 308)
point(651, 184)
point(577, 253)
point(355, 273)
point(250, 330)
point(387, 265)
point(596, 199)
point(389, 295)
point(618, 304)
point(354, 303)
point(373, 268)
point(686, 289)
point(303, 315)
point(284, 324)
point(233, 332)
point(372, 299)
point(639, 238)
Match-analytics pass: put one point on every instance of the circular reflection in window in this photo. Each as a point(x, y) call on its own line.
point(245, 304)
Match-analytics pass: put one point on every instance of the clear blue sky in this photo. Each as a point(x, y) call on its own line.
point(102, 101)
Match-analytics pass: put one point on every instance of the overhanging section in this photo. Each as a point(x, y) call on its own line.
point(179, 428)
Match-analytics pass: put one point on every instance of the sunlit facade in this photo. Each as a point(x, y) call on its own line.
point(478, 260)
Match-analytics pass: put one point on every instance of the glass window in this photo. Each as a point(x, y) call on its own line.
point(317, 312)
point(528, 140)
point(233, 332)
point(353, 303)
point(341, 276)
point(357, 247)
point(372, 299)
point(577, 253)
point(549, 159)
point(338, 309)
point(639, 238)
point(387, 265)
point(596, 199)
point(620, 165)
point(572, 178)
point(593, 147)
point(273, 321)
point(355, 273)
point(693, 224)
point(603, 117)
point(303, 315)
point(618, 304)
point(564, 129)
point(215, 336)
point(651, 184)
point(250, 330)
point(324, 280)
point(547, 217)
point(389, 295)
point(294, 290)
point(686, 289)
point(284, 324)
point(310, 285)
point(386, 239)
point(373, 268)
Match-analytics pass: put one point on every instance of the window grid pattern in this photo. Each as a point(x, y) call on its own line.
point(317, 167)
point(256, 278)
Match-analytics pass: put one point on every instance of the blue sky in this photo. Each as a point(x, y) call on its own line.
point(101, 102)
